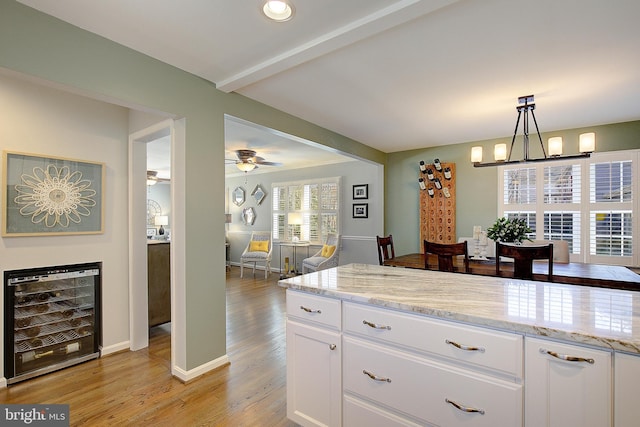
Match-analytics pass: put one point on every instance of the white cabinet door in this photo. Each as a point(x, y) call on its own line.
point(314, 377)
point(566, 385)
point(627, 390)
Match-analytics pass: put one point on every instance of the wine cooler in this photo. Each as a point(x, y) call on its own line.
point(52, 319)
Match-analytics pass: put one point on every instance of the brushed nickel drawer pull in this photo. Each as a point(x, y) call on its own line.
point(566, 357)
point(332, 346)
point(465, 347)
point(376, 326)
point(308, 310)
point(464, 408)
point(375, 377)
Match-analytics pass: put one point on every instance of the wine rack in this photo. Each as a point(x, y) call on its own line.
point(438, 210)
point(52, 319)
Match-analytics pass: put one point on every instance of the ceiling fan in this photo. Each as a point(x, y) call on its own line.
point(248, 161)
point(153, 179)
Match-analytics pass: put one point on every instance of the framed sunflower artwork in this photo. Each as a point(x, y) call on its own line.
point(51, 195)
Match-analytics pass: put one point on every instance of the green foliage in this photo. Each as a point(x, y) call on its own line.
point(509, 230)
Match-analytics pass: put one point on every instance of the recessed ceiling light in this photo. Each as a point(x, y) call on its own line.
point(278, 10)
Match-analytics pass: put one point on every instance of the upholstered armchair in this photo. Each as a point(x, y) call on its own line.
point(326, 257)
point(258, 250)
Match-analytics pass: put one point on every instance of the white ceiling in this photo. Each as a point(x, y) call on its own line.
point(395, 75)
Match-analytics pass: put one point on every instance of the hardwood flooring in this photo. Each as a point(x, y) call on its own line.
point(136, 388)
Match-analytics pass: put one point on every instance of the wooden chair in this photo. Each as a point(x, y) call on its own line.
point(445, 253)
point(385, 248)
point(523, 256)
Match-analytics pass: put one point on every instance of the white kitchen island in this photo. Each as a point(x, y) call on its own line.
point(373, 345)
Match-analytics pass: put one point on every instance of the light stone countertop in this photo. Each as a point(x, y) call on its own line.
point(602, 317)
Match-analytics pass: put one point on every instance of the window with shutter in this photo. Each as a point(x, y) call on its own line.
point(589, 203)
point(317, 201)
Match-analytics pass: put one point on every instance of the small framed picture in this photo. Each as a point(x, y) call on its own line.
point(361, 210)
point(361, 191)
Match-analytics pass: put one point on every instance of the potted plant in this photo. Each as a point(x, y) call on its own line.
point(507, 230)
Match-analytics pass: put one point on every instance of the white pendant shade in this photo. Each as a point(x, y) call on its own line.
point(555, 146)
point(500, 152)
point(476, 154)
point(588, 142)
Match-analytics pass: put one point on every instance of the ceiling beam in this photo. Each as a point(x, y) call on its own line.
point(368, 26)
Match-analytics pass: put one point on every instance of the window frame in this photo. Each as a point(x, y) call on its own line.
point(585, 207)
point(306, 212)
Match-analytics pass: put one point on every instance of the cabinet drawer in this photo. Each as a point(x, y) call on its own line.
point(359, 413)
point(313, 308)
point(427, 389)
point(498, 351)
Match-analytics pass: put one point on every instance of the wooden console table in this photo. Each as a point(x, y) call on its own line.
point(600, 275)
point(159, 281)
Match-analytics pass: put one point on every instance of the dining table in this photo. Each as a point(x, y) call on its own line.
point(575, 273)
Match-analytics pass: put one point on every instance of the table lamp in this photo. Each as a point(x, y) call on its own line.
point(161, 220)
point(295, 218)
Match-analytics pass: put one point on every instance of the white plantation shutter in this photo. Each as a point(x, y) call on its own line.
point(588, 202)
point(316, 200)
point(562, 184)
point(611, 208)
point(520, 186)
point(563, 225)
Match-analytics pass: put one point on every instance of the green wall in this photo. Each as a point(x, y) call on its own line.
point(476, 188)
point(35, 44)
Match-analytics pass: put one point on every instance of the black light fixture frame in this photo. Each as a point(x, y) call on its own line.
point(528, 106)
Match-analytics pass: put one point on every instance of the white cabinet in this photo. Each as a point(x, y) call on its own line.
point(627, 390)
point(404, 369)
point(426, 390)
point(567, 385)
point(356, 364)
point(314, 357)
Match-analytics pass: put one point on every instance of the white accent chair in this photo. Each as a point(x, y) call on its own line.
point(560, 249)
point(318, 262)
point(252, 255)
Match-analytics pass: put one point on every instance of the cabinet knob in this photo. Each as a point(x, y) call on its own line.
point(332, 346)
point(567, 357)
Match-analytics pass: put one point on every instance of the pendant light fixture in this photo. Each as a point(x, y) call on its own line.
point(587, 142)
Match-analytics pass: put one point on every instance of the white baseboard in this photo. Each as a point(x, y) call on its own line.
point(3, 382)
point(124, 345)
point(186, 376)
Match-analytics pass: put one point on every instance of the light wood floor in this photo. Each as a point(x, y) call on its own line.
point(136, 388)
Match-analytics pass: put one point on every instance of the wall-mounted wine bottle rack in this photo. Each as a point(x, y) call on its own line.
point(438, 211)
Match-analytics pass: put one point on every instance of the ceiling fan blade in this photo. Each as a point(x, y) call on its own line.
point(269, 163)
point(245, 154)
